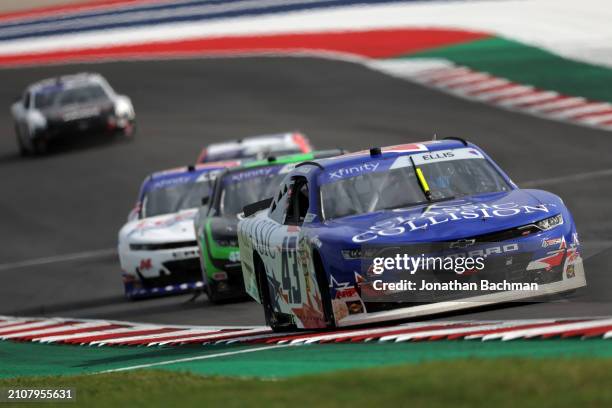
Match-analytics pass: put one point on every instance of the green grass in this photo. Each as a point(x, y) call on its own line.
point(576, 382)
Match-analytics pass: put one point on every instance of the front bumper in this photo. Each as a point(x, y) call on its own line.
point(551, 259)
point(162, 272)
point(223, 271)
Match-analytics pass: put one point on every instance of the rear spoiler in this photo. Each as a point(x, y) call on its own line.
point(256, 207)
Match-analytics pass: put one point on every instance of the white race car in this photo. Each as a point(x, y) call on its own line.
point(157, 246)
point(72, 105)
point(256, 147)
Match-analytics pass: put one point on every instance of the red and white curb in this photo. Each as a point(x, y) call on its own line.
point(116, 333)
point(482, 87)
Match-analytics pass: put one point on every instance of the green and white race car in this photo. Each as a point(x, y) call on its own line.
point(217, 219)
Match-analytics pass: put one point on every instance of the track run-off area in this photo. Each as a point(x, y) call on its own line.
point(60, 214)
point(47, 346)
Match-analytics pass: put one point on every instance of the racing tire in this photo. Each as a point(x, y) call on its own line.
point(41, 146)
point(213, 295)
point(23, 151)
point(278, 322)
point(322, 284)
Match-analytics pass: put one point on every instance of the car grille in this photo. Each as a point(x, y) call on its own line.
point(181, 271)
point(159, 247)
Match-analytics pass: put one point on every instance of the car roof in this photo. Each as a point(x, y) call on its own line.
point(250, 141)
point(67, 81)
point(179, 171)
point(286, 159)
point(392, 151)
point(254, 145)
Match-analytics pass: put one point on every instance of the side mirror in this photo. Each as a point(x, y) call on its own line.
point(256, 207)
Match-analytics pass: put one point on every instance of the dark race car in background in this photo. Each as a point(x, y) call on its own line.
point(73, 105)
point(216, 222)
point(305, 256)
point(256, 147)
point(157, 246)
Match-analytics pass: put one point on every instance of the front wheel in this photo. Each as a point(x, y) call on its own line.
point(279, 322)
point(211, 292)
point(41, 145)
point(23, 151)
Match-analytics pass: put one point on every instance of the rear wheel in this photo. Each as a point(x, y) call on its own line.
point(279, 322)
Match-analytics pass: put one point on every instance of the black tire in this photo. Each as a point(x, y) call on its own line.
point(323, 285)
point(211, 292)
point(41, 146)
point(279, 322)
point(23, 151)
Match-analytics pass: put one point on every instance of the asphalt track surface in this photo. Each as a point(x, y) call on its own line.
point(76, 199)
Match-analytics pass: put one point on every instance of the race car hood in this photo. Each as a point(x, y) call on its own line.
point(224, 228)
point(177, 227)
point(448, 220)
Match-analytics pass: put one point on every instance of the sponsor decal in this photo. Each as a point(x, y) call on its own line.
point(347, 293)
point(354, 307)
point(249, 174)
point(145, 264)
point(436, 215)
point(167, 182)
point(353, 170)
point(438, 155)
point(208, 176)
point(483, 253)
point(462, 243)
point(550, 242)
point(570, 272)
point(234, 256)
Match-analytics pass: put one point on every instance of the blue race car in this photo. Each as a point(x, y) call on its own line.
point(309, 254)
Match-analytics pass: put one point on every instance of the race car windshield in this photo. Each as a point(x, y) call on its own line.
point(175, 198)
point(43, 100)
point(236, 195)
point(58, 96)
point(400, 188)
point(83, 94)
